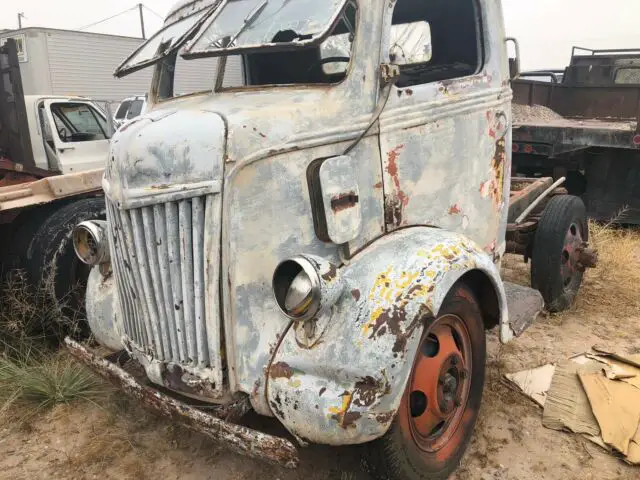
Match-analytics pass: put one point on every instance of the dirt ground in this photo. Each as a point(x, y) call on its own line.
point(116, 439)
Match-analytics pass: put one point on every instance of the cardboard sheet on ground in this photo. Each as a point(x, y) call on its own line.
point(616, 406)
point(567, 406)
point(534, 383)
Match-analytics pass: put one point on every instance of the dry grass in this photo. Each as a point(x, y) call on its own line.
point(33, 375)
point(613, 284)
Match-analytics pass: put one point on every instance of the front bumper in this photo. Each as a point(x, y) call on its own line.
point(240, 439)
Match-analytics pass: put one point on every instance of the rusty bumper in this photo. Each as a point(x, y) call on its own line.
point(237, 438)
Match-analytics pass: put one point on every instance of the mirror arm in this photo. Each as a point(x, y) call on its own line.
point(389, 74)
point(516, 44)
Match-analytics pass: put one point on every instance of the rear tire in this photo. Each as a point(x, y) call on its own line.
point(554, 266)
point(412, 449)
point(50, 252)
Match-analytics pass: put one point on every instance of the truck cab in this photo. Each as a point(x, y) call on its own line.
point(68, 134)
point(322, 241)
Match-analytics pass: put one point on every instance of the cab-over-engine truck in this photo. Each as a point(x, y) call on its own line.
point(52, 155)
point(322, 243)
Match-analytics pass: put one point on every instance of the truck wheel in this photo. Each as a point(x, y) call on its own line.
point(50, 251)
point(555, 270)
point(440, 405)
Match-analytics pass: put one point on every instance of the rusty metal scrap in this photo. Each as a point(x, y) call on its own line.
point(243, 440)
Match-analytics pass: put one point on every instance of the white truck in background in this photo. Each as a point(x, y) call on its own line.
point(52, 155)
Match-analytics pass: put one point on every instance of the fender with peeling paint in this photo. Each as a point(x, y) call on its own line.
point(346, 388)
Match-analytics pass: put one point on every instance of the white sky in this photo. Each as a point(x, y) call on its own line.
point(546, 29)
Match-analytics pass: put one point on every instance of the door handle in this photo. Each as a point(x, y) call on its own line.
point(62, 149)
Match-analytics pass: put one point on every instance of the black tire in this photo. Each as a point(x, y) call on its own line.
point(50, 251)
point(554, 270)
point(398, 455)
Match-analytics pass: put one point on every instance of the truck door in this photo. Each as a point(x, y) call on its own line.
point(443, 133)
point(80, 134)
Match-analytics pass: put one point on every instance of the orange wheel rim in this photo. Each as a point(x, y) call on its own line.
point(438, 392)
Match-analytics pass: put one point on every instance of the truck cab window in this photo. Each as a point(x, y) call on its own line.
point(324, 64)
point(135, 109)
point(122, 110)
point(435, 40)
point(78, 122)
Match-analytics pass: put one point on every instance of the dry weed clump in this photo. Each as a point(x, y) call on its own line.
point(613, 284)
point(33, 374)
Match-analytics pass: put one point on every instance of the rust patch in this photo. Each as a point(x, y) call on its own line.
point(331, 274)
point(344, 201)
point(454, 210)
point(493, 188)
point(349, 419)
point(378, 185)
point(390, 321)
point(367, 390)
point(355, 293)
point(395, 202)
point(281, 370)
point(384, 418)
point(409, 91)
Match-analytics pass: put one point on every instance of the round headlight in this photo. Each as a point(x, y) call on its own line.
point(296, 286)
point(90, 242)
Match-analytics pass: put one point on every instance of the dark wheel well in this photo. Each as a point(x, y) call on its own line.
point(485, 293)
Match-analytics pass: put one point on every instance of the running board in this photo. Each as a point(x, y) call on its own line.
point(524, 304)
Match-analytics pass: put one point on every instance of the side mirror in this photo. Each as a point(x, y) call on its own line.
point(514, 62)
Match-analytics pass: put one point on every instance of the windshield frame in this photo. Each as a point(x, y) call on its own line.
point(188, 53)
point(125, 69)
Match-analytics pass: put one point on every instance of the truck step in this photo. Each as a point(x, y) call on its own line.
point(524, 304)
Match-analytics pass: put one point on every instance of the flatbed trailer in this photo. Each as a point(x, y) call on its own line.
point(585, 128)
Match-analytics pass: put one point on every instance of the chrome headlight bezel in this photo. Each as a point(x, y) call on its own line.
point(90, 242)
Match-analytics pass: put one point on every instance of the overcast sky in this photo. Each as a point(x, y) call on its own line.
point(546, 29)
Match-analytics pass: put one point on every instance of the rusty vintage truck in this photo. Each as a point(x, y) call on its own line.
point(322, 243)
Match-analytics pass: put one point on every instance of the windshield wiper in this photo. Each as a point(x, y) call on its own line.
point(253, 15)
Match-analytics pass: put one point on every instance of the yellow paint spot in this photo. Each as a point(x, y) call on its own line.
point(346, 403)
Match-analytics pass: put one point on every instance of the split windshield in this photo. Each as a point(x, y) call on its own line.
point(239, 26)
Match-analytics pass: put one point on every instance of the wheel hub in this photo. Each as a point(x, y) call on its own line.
point(572, 253)
point(450, 384)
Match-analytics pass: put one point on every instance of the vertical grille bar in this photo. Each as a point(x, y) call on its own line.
point(198, 213)
point(163, 253)
point(173, 234)
point(152, 245)
point(186, 270)
point(212, 282)
point(134, 225)
point(123, 293)
point(131, 279)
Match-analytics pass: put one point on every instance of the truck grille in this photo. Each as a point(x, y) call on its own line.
point(165, 261)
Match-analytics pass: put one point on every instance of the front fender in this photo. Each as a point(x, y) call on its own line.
point(347, 386)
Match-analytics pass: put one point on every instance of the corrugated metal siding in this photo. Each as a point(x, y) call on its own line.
point(83, 64)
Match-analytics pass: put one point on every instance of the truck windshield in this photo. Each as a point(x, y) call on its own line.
point(237, 26)
point(245, 24)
